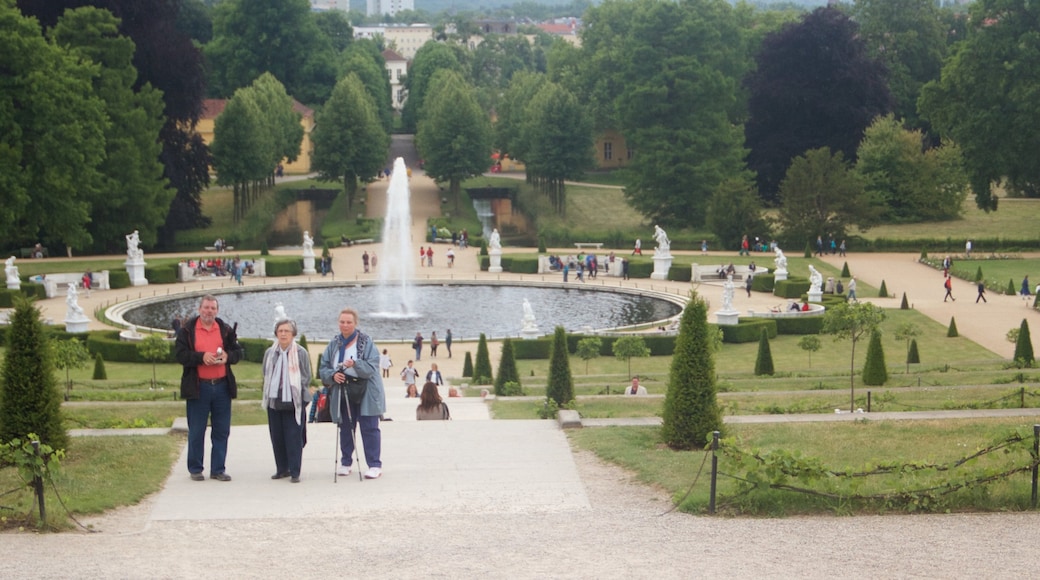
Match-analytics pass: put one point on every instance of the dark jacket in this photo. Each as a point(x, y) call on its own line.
point(191, 360)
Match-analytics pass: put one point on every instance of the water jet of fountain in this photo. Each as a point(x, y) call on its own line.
point(396, 269)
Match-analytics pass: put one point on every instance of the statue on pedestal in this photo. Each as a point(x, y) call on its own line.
point(74, 312)
point(815, 280)
point(781, 260)
point(663, 243)
point(529, 319)
point(12, 271)
point(308, 244)
point(279, 313)
point(133, 246)
point(494, 241)
point(727, 294)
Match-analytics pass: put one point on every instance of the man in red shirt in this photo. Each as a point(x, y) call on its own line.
point(207, 347)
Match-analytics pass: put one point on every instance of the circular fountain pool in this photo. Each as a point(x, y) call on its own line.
point(467, 309)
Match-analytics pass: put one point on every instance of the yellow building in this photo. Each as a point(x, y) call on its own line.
point(612, 150)
point(212, 108)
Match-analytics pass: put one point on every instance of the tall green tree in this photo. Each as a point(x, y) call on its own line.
point(667, 75)
point(30, 401)
point(349, 141)
point(911, 183)
point(815, 86)
point(454, 136)
point(852, 321)
point(131, 192)
point(558, 142)
point(764, 360)
point(735, 211)
point(67, 355)
point(243, 147)
point(507, 372)
point(588, 349)
point(432, 57)
point(821, 196)
point(691, 408)
point(482, 373)
point(560, 383)
point(511, 114)
point(985, 99)
point(365, 60)
point(875, 373)
point(1024, 346)
point(280, 119)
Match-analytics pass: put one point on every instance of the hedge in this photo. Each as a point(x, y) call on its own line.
point(790, 288)
point(28, 289)
point(107, 343)
point(284, 266)
point(682, 273)
point(118, 279)
point(165, 274)
point(539, 348)
point(749, 330)
point(254, 349)
point(799, 325)
point(763, 282)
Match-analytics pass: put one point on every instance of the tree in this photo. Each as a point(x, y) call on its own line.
point(874, 371)
point(627, 347)
point(99, 368)
point(736, 210)
point(1024, 346)
point(912, 184)
point(682, 115)
point(820, 196)
point(913, 356)
point(951, 331)
point(815, 86)
point(154, 349)
point(907, 332)
point(810, 343)
point(985, 97)
point(365, 60)
point(467, 365)
point(349, 141)
point(560, 384)
point(430, 58)
point(512, 114)
point(29, 398)
point(242, 147)
point(851, 321)
point(251, 37)
point(588, 349)
point(507, 372)
point(454, 136)
point(482, 374)
point(557, 137)
point(691, 408)
point(764, 360)
point(69, 354)
point(131, 192)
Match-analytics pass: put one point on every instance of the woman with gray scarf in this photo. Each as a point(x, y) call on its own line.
point(287, 376)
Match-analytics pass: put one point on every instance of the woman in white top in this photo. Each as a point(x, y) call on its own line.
point(385, 363)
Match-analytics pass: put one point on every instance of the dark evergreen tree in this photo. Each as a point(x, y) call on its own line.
point(560, 385)
point(467, 365)
point(845, 270)
point(507, 372)
point(1024, 346)
point(1010, 288)
point(482, 374)
point(913, 356)
point(303, 341)
point(691, 410)
point(978, 274)
point(764, 360)
point(951, 332)
point(99, 368)
point(875, 373)
point(30, 401)
point(905, 305)
point(815, 86)
point(883, 291)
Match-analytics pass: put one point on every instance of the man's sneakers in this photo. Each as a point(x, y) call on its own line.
point(373, 473)
point(220, 477)
point(343, 470)
point(198, 477)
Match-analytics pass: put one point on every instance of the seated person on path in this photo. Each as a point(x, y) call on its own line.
point(794, 307)
point(635, 388)
point(431, 407)
point(412, 393)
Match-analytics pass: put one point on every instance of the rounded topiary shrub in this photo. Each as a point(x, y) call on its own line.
point(99, 368)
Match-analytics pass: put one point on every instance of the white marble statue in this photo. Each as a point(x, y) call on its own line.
point(781, 260)
point(74, 311)
point(11, 270)
point(663, 243)
point(815, 280)
point(727, 294)
point(308, 243)
point(279, 312)
point(494, 241)
point(529, 319)
point(133, 246)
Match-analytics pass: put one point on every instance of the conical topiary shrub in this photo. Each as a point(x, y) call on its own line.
point(764, 360)
point(808, 250)
point(883, 291)
point(845, 270)
point(1024, 346)
point(263, 249)
point(924, 254)
point(874, 371)
point(560, 383)
point(1011, 288)
point(482, 374)
point(951, 332)
point(691, 409)
point(467, 365)
point(507, 372)
point(904, 305)
point(912, 356)
point(99, 368)
point(978, 274)
point(541, 245)
point(303, 341)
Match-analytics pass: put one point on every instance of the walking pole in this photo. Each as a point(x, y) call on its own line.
point(335, 457)
point(350, 419)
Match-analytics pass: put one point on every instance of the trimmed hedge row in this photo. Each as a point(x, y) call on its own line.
point(28, 289)
point(165, 274)
point(118, 279)
point(284, 266)
point(763, 282)
point(790, 288)
point(107, 343)
point(799, 325)
point(749, 330)
point(659, 345)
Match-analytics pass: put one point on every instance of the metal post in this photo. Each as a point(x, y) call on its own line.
point(1022, 398)
point(1036, 459)
point(38, 486)
point(868, 401)
point(715, 471)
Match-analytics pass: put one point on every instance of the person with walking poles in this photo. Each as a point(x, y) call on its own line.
point(207, 347)
point(350, 368)
point(287, 378)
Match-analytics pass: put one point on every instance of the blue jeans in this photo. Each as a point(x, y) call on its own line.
point(286, 440)
point(371, 437)
point(418, 353)
point(213, 405)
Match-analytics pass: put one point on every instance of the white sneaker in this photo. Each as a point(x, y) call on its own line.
point(373, 473)
point(343, 470)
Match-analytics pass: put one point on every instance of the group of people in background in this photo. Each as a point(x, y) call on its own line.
point(435, 343)
point(232, 267)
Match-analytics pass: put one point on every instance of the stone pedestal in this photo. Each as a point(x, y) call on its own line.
point(815, 295)
point(15, 284)
point(727, 317)
point(308, 265)
point(78, 325)
point(780, 275)
point(661, 266)
point(135, 268)
point(530, 333)
point(495, 266)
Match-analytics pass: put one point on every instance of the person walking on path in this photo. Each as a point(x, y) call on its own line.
point(447, 342)
point(409, 374)
point(352, 356)
point(207, 347)
point(841, 248)
point(385, 363)
point(1025, 288)
point(639, 248)
point(949, 289)
point(967, 249)
point(417, 345)
point(434, 343)
point(852, 289)
point(747, 285)
point(365, 260)
point(982, 293)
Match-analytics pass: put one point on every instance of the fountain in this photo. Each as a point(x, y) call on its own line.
point(397, 267)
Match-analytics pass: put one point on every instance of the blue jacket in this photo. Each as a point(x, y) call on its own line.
point(366, 366)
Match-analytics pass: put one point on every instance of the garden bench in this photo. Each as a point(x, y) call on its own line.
point(582, 245)
point(214, 248)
